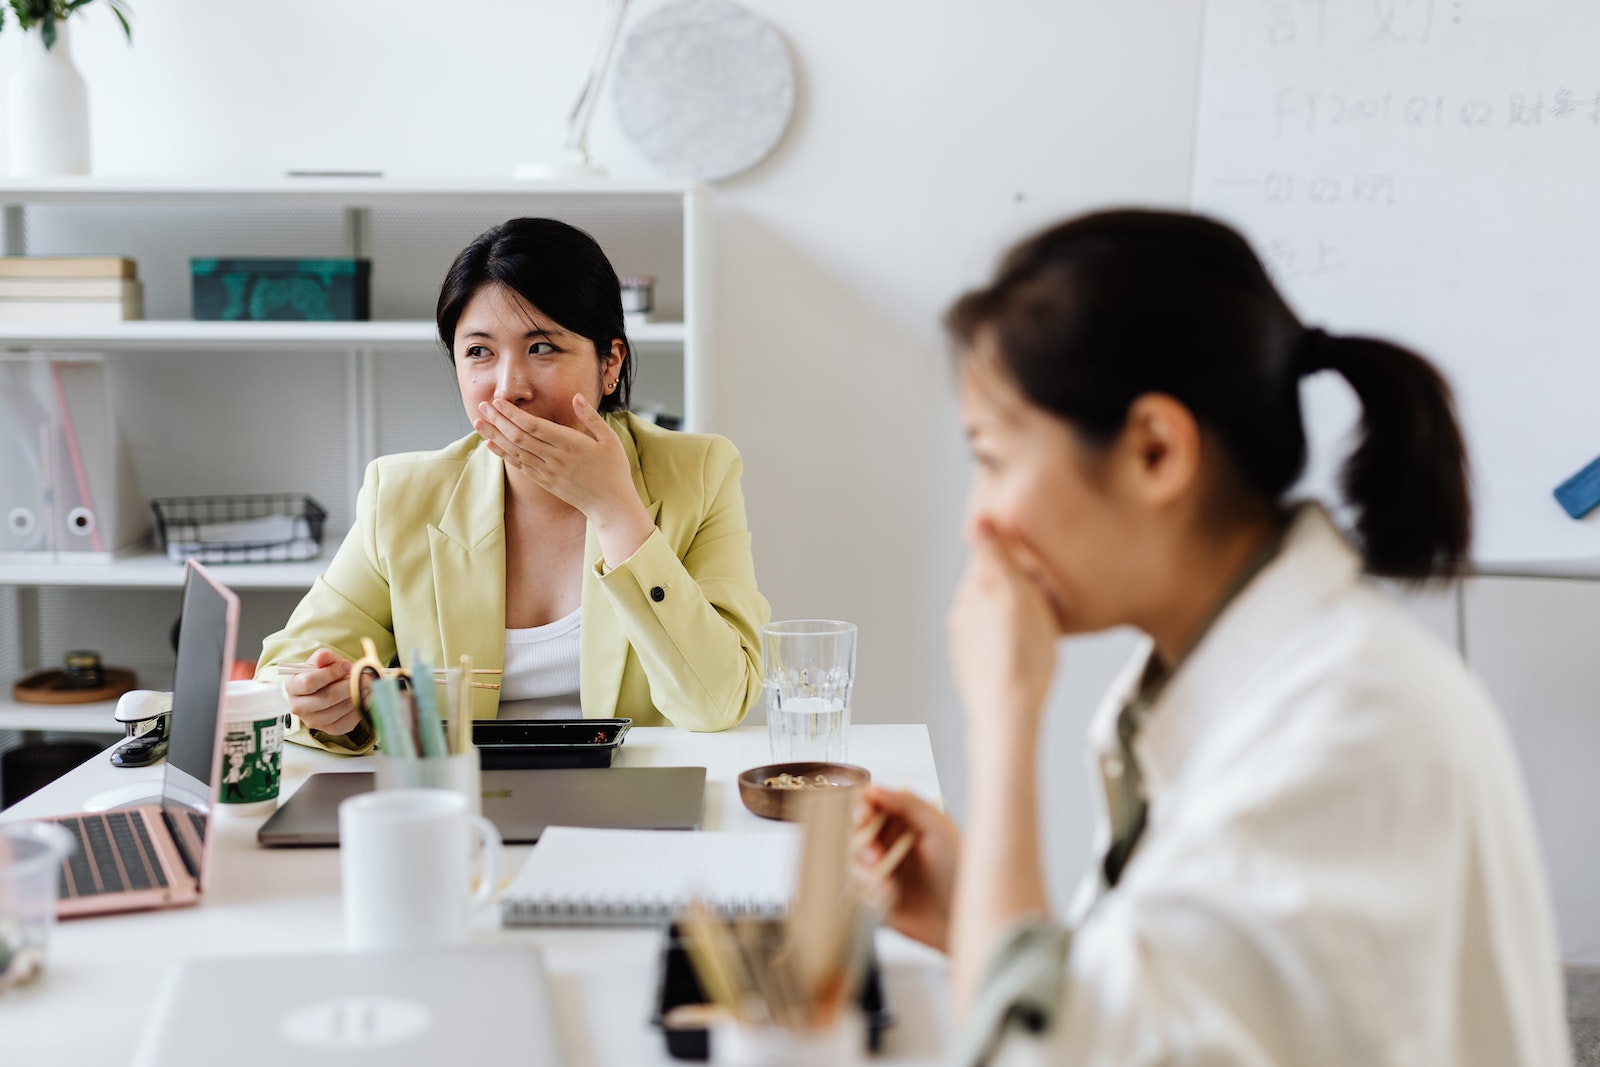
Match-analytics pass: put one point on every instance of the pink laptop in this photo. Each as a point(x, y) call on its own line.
point(156, 855)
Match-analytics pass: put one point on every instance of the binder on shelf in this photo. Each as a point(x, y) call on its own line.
point(25, 435)
point(68, 490)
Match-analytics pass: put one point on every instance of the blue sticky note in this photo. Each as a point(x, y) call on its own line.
point(1579, 494)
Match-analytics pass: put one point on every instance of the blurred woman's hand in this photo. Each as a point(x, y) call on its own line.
point(924, 881)
point(1002, 644)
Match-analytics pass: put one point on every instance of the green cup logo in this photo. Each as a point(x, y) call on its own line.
point(252, 761)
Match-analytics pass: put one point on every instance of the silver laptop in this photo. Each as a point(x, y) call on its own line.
point(520, 803)
point(476, 1004)
point(156, 854)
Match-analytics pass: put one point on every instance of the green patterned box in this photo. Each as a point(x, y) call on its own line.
point(264, 290)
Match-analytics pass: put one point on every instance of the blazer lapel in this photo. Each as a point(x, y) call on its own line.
point(602, 646)
point(469, 572)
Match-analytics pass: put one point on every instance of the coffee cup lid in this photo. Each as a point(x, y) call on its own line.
point(249, 701)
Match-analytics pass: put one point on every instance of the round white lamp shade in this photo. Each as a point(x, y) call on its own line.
point(704, 88)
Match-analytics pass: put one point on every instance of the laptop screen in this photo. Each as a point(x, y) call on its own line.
point(209, 627)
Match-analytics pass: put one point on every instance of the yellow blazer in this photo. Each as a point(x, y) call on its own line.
point(672, 635)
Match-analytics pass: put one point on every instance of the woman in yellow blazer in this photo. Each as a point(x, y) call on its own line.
point(618, 549)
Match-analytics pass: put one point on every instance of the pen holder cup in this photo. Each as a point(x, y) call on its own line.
point(681, 1004)
point(459, 773)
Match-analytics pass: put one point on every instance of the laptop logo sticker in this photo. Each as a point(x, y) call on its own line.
point(356, 1022)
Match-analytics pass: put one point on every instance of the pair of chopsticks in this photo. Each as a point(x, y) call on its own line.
point(891, 858)
point(438, 675)
point(414, 722)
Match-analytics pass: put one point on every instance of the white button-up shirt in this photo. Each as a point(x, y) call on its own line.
point(1339, 867)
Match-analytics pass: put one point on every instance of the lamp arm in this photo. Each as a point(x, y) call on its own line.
point(583, 108)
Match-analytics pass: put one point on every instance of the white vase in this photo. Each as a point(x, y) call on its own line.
point(49, 110)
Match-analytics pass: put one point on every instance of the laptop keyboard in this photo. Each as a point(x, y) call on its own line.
point(114, 853)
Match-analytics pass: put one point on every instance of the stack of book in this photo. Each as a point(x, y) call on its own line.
point(69, 289)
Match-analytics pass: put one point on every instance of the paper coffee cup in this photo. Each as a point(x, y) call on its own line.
point(252, 747)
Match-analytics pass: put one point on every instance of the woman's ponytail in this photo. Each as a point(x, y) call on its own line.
point(1407, 476)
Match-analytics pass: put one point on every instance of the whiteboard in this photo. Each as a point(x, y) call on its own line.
point(1428, 171)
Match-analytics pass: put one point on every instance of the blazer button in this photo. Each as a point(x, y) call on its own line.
point(657, 594)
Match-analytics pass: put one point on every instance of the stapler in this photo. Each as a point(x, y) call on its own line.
point(144, 713)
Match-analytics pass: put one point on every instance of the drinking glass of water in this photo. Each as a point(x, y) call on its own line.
point(809, 666)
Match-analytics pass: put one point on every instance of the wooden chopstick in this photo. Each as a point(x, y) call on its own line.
point(754, 947)
point(313, 667)
point(866, 833)
point(708, 951)
point(891, 859)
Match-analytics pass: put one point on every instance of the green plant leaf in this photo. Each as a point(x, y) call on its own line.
point(25, 15)
point(45, 14)
point(119, 8)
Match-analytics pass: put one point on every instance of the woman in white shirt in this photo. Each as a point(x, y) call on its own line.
point(1315, 846)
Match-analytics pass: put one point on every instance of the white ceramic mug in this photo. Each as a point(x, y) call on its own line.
point(405, 857)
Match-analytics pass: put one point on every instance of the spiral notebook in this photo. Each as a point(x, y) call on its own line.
point(583, 877)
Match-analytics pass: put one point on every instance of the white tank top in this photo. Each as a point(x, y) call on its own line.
point(541, 678)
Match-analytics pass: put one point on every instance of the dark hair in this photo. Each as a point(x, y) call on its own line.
point(1093, 313)
point(558, 269)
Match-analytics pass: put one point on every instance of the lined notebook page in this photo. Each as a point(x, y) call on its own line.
point(580, 877)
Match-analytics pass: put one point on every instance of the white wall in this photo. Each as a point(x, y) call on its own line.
point(928, 136)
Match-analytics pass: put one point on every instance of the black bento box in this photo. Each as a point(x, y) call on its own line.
point(510, 744)
point(677, 985)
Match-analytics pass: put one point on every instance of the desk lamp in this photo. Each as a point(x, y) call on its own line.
point(575, 148)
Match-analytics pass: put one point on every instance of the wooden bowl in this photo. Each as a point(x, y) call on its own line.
point(49, 686)
point(777, 802)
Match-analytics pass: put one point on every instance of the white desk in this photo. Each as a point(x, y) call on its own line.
point(102, 975)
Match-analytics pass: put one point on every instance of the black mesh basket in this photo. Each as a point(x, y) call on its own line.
point(255, 528)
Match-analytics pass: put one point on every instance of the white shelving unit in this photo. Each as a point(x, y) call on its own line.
point(92, 718)
point(244, 407)
point(151, 570)
point(181, 334)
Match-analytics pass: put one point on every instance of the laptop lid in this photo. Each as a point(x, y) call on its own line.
point(207, 637)
point(520, 803)
point(478, 1004)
